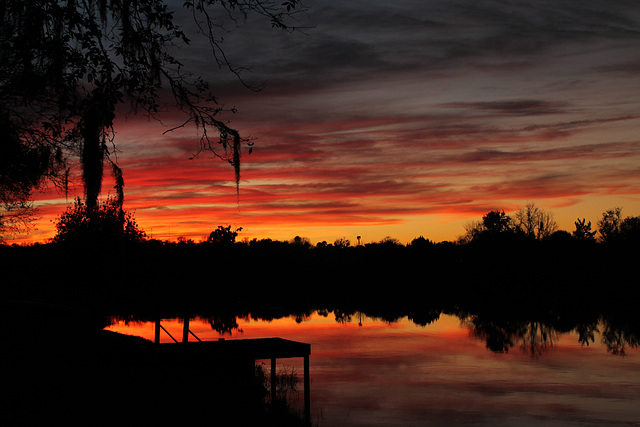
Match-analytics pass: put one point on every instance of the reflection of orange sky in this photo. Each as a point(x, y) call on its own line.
point(376, 340)
point(317, 328)
point(407, 372)
point(314, 326)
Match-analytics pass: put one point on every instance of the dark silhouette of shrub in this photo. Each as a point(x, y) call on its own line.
point(106, 223)
point(583, 230)
point(223, 236)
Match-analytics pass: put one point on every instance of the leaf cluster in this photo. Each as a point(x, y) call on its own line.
point(613, 228)
point(106, 223)
point(223, 236)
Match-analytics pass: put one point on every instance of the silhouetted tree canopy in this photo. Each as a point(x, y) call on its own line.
point(223, 235)
point(342, 242)
point(534, 222)
point(421, 242)
point(529, 221)
point(66, 67)
point(583, 230)
point(609, 224)
point(495, 226)
point(630, 228)
point(496, 222)
point(613, 228)
point(302, 242)
point(21, 170)
point(92, 226)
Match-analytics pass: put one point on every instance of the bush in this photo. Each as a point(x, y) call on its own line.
point(108, 222)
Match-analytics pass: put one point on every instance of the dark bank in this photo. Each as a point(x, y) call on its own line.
point(60, 366)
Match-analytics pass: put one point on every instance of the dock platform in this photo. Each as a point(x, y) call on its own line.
point(245, 351)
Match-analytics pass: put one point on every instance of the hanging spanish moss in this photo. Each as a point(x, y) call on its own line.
point(68, 64)
point(119, 187)
point(92, 156)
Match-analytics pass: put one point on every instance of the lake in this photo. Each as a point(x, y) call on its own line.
point(455, 370)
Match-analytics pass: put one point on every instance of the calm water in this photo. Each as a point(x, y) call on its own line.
point(367, 372)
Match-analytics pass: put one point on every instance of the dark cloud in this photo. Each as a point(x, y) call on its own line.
point(624, 67)
point(516, 107)
point(351, 38)
point(602, 151)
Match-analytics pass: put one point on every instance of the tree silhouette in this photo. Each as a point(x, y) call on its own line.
point(496, 222)
point(342, 242)
point(495, 225)
point(106, 223)
point(21, 170)
point(534, 222)
point(302, 242)
point(609, 224)
point(421, 242)
point(67, 65)
point(630, 228)
point(583, 230)
point(223, 236)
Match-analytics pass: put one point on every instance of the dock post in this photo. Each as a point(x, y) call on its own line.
point(273, 379)
point(156, 337)
point(185, 330)
point(307, 392)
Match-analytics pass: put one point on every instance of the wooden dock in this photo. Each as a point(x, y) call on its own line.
point(237, 351)
point(257, 348)
point(244, 351)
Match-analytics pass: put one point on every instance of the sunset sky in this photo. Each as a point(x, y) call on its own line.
point(401, 119)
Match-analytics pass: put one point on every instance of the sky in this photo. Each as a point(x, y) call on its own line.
point(400, 119)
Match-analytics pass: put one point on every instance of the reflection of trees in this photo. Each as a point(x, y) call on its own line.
point(537, 337)
point(341, 316)
point(498, 338)
point(534, 337)
point(617, 337)
point(533, 332)
point(586, 332)
point(425, 317)
point(224, 324)
point(301, 317)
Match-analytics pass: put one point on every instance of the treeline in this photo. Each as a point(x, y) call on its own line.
point(533, 223)
point(499, 261)
point(109, 224)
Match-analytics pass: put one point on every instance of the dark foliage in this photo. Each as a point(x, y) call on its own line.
point(223, 236)
point(107, 223)
point(67, 67)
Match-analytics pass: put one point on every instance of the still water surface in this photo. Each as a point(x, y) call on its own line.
point(367, 372)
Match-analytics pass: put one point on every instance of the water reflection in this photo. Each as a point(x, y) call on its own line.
point(500, 334)
point(534, 338)
point(618, 337)
point(415, 370)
